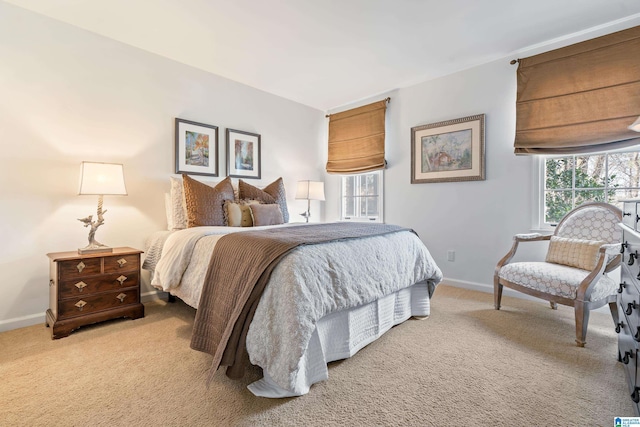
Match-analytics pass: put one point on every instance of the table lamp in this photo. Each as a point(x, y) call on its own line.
point(99, 179)
point(309, 190)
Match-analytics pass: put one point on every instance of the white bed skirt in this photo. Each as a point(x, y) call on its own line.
point(342, 334)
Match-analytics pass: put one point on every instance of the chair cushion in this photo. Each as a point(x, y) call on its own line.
point(574, 252)
point(555, 279)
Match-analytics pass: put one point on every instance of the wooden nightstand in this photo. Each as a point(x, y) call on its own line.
point(91, 288)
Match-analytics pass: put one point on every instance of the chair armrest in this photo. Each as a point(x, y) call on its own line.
point(610, 249)
point(608, 259)
point(531, 237)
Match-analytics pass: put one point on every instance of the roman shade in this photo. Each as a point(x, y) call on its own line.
point(580, 98)
point(356, 139)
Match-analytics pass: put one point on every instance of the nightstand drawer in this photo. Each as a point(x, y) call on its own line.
point(114, 264)
point(79, 287)
point(79, 268)
point(99, 302)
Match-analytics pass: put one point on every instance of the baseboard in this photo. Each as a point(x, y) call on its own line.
point(483, 287)
point(39, 318)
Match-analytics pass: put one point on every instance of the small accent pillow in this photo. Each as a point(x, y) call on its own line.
point(272, 193)
point(266, 214)
point(178, 208)
point(574, 252)
point(205, 204)
point(238, 214)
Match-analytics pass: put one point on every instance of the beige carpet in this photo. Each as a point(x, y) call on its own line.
point(466, 365)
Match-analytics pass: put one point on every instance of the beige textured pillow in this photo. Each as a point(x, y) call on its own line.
point(205, 204)
point(178, 209)
point(574, 252)
point(266, 214)
point(238, 214)
point(272, 193)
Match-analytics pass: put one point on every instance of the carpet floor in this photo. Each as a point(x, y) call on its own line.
point(467, 364)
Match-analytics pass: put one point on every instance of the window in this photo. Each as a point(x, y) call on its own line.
point(570, 181)
point(361, 197)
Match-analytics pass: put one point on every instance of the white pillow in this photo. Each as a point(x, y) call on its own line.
point(168, 210)
point(178, 206)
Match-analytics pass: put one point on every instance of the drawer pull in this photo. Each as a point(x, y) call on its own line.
point(635, 396)
point(630, 307)
point(626, 214)
point(51, 282)
point(121, 279)
point(623, 246)
point(80, 286)
point(637, 335)
point(121, 297)
point(80, 266)
point(121, 262)
point(619, 327)
point(80, 304)
point(621, 287)
point(632, 258)
point(627, 355)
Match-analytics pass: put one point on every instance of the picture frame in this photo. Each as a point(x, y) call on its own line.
point(196, 148)
point(448, 151)
point(243, 154)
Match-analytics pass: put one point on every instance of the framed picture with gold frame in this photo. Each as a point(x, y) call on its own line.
point(448, 151)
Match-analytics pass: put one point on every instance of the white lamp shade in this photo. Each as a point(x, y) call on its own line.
point(311, 190)
point(636, 125)
point(102, 178)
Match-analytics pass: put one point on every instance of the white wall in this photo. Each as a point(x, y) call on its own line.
point(67, 95)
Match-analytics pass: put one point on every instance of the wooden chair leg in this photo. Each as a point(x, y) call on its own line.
point(554, 305)
point(613, 307)
point(497, 292)
point(582, 320)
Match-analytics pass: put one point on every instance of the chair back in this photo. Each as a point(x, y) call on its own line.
point(592, 221)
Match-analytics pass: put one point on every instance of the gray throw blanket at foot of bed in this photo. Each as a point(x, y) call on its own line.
point(238, 272)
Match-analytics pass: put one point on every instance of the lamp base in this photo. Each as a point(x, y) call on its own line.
point(92, 249)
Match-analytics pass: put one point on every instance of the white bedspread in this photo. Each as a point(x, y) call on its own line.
point(309, 283)
point(314, 281)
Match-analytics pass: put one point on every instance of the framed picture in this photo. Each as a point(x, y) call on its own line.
point(196, 148)
point(448, 151)
point(243, 154)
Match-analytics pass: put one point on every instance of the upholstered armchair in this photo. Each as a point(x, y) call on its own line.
point(584, 247)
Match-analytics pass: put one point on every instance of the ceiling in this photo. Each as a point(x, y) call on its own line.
point(329, 53)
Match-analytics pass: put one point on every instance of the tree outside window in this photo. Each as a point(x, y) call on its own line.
point(573, 180)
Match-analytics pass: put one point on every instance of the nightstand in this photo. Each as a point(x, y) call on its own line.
point(91, 288)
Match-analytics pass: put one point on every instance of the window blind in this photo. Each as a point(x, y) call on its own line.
point(356, 139)
point(580, 98)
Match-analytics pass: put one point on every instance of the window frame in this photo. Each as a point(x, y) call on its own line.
point(359, 218)
point(539, 184)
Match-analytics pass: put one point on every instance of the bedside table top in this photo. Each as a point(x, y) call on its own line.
point(61, 256)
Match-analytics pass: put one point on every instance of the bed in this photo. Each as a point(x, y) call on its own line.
point(324, 299)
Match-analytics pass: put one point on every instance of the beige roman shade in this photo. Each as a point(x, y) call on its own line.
point(580, 98)
point(356, 139)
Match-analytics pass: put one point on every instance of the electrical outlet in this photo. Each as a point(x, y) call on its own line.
point(451, 255)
